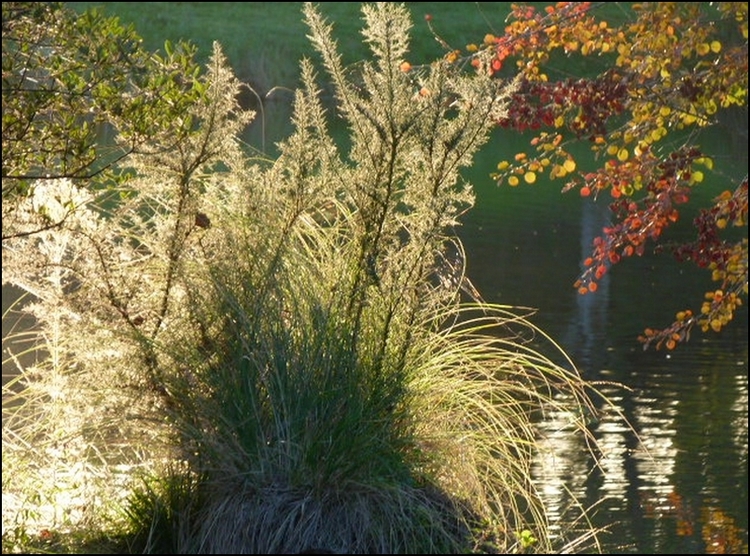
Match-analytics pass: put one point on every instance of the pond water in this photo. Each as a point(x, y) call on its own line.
point(676, 479)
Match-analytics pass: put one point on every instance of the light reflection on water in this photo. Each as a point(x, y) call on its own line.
point(559, 471)
point(664, 480)
point(740, 421)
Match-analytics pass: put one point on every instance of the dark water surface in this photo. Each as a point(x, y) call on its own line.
point(676, 480)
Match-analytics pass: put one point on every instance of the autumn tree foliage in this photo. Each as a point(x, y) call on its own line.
point(664, 74)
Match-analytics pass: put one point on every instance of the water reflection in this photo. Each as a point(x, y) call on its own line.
point(560, 464)
point(587, 325)
point(674, 478)
point(740, 421)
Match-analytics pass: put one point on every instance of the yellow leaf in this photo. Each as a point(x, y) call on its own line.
point(513, 181)
point(623, 155)
point(715, 47)
point(503, 165)
point(529, 177)
point(569, 165)
point(559, 121)
point(703, 49)
point(696, 177)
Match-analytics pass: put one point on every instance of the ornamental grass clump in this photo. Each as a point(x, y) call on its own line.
point(289, 334)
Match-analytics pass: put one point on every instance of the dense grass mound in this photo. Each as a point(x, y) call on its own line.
point(287, 339)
